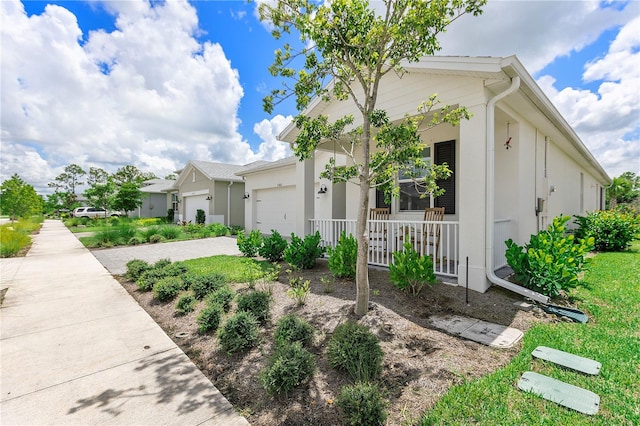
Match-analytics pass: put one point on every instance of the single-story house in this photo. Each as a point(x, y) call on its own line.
point(516, 165)
point(156, 199)
point(212, 187)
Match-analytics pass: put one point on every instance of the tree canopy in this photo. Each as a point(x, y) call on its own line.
point(347, 47)
point(18, 199)
point(624, 189)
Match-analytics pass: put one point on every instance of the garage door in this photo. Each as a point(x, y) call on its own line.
point(191, 205)
point(276, 209)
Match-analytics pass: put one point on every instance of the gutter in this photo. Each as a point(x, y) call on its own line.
point(490, 200)
point(229, 203)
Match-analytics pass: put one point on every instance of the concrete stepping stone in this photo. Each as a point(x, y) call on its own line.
point(486, 333)
point(561, 393)
point(565, 359)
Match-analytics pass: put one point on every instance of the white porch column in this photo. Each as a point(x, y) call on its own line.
point(305, 195)
point(471, 199)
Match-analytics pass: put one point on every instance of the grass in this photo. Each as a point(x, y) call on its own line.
point(611, 297)
point(236, 269)
point(14, 236)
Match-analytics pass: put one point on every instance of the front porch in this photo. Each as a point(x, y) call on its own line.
point(388, 236)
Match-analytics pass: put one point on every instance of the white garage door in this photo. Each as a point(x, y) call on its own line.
point(276, 209)
point(191, 205)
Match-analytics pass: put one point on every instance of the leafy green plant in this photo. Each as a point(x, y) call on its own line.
point(167, 288)
point(410, 271)
point(218, 229)
point(134, 241)
point(354, 349)
point(175, 269)
point(236, 229)
point(551, 261)
point(12, 241)
point(239, 333)
point(273, 246)
point(342, 258)
point(161, 263)
point(209, 318)
point(156, 238)
point(186, 303)
point(291, 328)
point(249, 244)
point(328, 284)
point(299, 290)
point(203, 284)
point(362, 404)
point(135, 268)
point(170, 215)
point(302, 254)
point(200, 217)
point(290, 366)
point(257, 303)
point(223, 297)
point(169, 232)
point(611, 230)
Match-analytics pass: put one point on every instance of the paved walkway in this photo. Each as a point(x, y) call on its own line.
point(76, 349)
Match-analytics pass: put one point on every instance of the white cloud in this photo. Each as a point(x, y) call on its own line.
point(271, 148)
point(147, 94)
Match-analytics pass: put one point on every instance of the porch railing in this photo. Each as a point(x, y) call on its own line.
point(388, 236)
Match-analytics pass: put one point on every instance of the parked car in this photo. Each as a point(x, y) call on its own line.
point(92, 212)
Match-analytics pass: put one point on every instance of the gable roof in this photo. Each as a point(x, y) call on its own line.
point(267, 165)
point(216, 171)
point(157, 186)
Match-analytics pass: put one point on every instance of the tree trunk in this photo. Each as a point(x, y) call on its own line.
point(362, 263)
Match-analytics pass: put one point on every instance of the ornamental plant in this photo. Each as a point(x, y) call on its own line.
point(292, 365)
point(362, 404)
point(273, 247)
point(611, 230)
point(239, 333)
point(354, 349)
point(551, 261)
point(302, 254)
point(291, 328)
point(342, 258)
point(250, 244)
point(409, 271)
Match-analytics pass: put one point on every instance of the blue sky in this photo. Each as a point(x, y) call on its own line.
point(185, 80)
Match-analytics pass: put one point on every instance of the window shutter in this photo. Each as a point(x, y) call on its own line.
point(445, 152)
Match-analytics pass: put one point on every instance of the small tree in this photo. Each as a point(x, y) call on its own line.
point(128, 197)
point(101, 190)
point(66, 184)
point(18, 199)
point(356, 46)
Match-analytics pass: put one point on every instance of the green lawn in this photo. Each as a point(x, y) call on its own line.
point(611, 297)
point(236, 269)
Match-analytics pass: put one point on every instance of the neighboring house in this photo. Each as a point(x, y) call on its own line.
point(516, 162)
point(212, 187)
point(271, 202)
point(156, 198)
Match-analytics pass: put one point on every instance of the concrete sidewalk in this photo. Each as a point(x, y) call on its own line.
point(76, 349)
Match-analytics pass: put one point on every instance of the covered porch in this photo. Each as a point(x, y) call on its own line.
point(388, 236)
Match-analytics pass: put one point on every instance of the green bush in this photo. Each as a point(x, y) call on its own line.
point(342, 258)
point(218, 229)
point(186, 303)
point(223, 297)
point(291, 328)
point(257, 303)
point(290, 366)
point(156, 238)
point(135, 268)
point(167, 288)
point(147, 233)
point(249, 244)
point(170, 215)
point(209, 318)
point(551, 261)
point(149, 278)
point(169, 232)
point(236, 229)
point(12, 241)
point(134, 241)
point(273, 246)
point(410, 271)
point(202, 285)
point(354, 349)
point(175, 269)
point(239, 333)
point(299, 290)
point(302, 254)
point(161, 263)
point(611, 230)
point(200, 217)
point(362, 404)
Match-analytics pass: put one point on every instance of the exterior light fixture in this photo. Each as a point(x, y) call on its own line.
point(209, 198)
point(323, 189)
point(246, 195)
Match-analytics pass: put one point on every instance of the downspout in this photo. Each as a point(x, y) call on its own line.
point(490, 200)
point(229, 203)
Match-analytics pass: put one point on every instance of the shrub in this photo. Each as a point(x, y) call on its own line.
point(273, 246)
point(290, 366)
point(291, 328)
point(167, 288)
point(611, 230)
point(362, 404)
point(135, 268)
point(239, 333)
point(200, 217)
point(161, 263)
point(149, 278)
point(148, 232)
point(342, 258)
point(218, 229)
point(223, 297)
point(410, 271)
point(249, 244)
point(551, 261)
point(186, 303)
point(175, 269)
point(169, 232)
point(302, 254)
point(257, 303)
point(11, 241)
point(202, 285)
point(236, 229)
point(134, 241)
point(156, 238)
point(170, 215)
point(299, 290)
point(354, 349)
point(209, 318)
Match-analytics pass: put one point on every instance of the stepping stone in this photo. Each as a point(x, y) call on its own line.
point(561, 393)
point(486, 333)
point(565, 359)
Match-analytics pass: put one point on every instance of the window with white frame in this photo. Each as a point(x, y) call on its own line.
point(410, 197)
